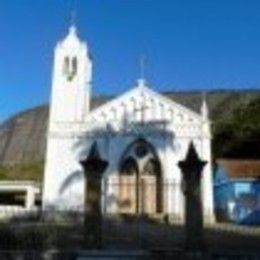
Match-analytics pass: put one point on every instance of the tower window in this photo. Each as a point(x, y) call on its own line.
point(66, 66)
point(70, 67)
point(74, 65)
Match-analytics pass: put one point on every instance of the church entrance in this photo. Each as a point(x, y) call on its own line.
point(140, 180)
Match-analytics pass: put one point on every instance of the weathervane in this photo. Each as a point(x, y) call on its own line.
point(142, 66)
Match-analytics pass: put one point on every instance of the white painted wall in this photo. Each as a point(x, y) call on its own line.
point(115, 125)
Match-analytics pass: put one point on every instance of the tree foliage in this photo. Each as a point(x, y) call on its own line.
point(238, 136)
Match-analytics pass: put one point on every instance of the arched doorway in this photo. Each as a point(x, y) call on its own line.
point(126, 186)
point(140, 189)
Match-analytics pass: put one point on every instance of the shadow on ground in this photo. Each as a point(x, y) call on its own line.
point(65, 234)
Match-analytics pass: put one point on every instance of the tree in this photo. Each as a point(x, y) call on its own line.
point(238, 136)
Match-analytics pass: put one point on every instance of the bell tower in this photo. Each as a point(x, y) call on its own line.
point(72, 76)
point(69, 106)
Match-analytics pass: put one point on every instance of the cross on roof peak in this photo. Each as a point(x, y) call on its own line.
point(141, 82)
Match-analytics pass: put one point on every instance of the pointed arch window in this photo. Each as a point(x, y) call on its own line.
point(129, 167)
point(66, 65)
point(74, 65)
point(70, 66)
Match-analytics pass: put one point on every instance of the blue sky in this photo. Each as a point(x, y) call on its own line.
point(188, 44)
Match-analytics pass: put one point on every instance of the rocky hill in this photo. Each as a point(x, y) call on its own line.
point(23, 136)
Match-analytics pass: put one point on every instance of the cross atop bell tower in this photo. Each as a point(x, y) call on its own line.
point(73, 17)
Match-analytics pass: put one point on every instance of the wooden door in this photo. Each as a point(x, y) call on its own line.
point(127, 194)
point(147, 191)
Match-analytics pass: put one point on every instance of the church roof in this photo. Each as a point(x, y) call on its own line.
point(192, 100)
point(99, 101)
point(241, 169)
point(23, 136)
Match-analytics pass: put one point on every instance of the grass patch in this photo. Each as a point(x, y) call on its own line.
point(26, 171)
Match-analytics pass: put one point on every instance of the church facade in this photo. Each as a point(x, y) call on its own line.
point(141, 133)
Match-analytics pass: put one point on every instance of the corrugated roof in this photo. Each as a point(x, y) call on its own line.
point(241, 169)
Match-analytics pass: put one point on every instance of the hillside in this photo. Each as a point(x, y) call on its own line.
point(23, 136)
point(240, 133)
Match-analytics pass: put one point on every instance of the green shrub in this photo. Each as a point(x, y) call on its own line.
point(27, 171)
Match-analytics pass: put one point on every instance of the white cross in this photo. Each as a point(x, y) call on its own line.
point(142, 67)
point(142, 110)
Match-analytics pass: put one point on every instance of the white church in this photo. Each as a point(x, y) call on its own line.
point(142, 134)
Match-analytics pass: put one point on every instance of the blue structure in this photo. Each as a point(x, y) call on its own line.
point(237, 191)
